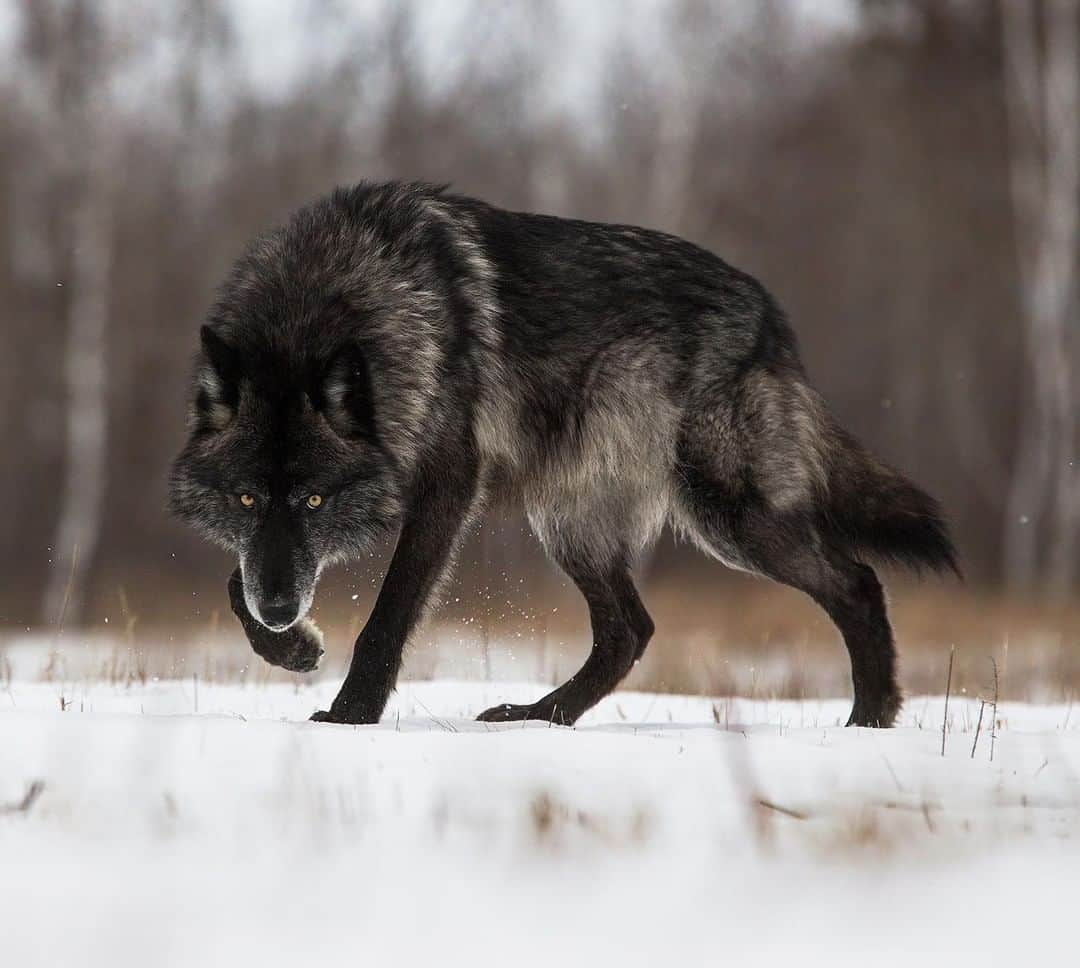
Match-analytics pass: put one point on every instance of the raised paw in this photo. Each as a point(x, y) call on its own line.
point(297, 649)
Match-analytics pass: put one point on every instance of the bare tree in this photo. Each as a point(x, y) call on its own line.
point(1042, 78)
point(79, 159)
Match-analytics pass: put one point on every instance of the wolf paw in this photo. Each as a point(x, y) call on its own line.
point(878, 714)
point(307, 646)
point(297, 649)
point(353, 715)
point(510, 713)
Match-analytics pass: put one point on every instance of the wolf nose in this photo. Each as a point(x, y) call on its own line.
point(278, 614)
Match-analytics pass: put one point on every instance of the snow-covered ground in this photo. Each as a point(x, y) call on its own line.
point(186, 823)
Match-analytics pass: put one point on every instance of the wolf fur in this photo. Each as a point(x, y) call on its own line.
point(412, 356)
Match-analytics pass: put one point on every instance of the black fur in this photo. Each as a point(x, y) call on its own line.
point(395, 358)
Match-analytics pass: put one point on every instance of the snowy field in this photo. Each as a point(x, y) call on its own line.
point(185, 823)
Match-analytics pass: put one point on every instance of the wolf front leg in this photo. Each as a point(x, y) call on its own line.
point(297, 649)
point(438, 515)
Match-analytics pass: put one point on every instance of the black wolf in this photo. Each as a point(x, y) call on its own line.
point(397, 358)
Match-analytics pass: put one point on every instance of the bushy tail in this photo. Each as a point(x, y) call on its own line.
point(878, 513)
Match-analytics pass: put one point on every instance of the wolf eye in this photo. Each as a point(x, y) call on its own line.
point(314, 501)
point(247, 500)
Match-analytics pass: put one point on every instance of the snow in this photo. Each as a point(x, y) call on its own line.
point(184, 822)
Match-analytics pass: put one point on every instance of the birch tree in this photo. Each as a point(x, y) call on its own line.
point(1042, 95)
point(69, 43)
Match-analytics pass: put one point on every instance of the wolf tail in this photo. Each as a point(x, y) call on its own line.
point(875, 511)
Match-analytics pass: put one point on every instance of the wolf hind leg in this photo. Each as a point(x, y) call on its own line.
point(787, 546)
point(621, 630)
point(851, 595)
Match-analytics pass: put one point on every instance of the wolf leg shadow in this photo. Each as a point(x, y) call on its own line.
point(297, 649)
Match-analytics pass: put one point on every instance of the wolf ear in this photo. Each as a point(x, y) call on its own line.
point(218, 382)
point(344, 396)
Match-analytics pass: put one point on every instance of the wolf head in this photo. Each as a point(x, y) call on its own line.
point(283, 465)
point(317, 386)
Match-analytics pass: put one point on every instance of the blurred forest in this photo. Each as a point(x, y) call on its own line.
point(904, 175)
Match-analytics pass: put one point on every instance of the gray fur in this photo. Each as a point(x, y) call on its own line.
point(418, 355)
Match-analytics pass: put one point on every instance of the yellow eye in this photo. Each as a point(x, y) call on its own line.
point(314, 501)
point(247, 500)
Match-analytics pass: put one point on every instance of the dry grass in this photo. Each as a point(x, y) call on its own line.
point(556, 825)
point(757, 639)
point(733, 636)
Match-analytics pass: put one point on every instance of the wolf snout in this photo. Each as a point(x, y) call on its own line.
point(279, 614)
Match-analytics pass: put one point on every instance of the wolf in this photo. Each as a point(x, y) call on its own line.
point(397, 358)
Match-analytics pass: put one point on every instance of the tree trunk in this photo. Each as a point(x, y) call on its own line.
point(1041, 97)
point(1063, 215)
point(82, 502)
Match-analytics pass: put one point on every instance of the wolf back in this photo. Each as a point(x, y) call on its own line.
point(410, 357)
